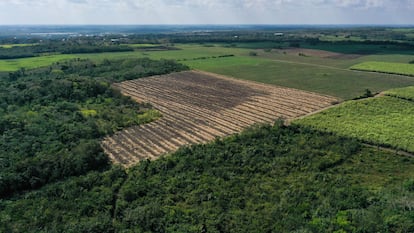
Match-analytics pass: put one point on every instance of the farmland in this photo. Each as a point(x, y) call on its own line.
point(386, 67)
point(338, 82)
point(197, 107)
point(384, 121)
point(311, 70)
point(9, 46)
point(403, 93)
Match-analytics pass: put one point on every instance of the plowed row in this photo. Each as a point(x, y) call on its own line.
point(198, 107)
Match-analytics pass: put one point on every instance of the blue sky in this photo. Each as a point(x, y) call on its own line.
point(206, 12)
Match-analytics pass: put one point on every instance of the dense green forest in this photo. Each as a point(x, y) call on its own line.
point(267, 179)
point(52, 47)
point(51, 119)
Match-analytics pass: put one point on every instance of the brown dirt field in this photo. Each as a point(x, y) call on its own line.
point(318, 53)
point(197, 107)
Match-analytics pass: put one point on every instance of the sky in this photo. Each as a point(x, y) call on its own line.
point(133, 12)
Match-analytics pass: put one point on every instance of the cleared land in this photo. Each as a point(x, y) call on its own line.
point(386, 67)
point(197, 107)
point(386, 121)
point(317, 53)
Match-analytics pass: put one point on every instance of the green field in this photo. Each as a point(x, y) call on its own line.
point(342, 83)
point(186, 52)
point(322, 75)
point(383, 121)
point(142, 45)
point(9, 46)
point(32, 62)
point(403, 93)
point(386, 67)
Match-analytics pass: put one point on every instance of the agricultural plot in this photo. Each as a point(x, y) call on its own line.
point(385, 121)
point(197, 107)
point(386, 67)
point(295, 73)
point(9, 46)
point(403, 93)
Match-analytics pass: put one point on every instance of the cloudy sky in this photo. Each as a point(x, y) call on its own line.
point(206, 12)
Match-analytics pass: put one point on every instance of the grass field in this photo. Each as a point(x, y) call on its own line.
point(32, 62)
point(142, 45)
point(386, 67)
point(311, 73)
point(186, 52)
point(403, 93)
point(337, 82)
point(9, 46)
point(384, 121)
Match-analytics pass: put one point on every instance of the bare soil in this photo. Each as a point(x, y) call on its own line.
point(197, 107)
point(318, 53)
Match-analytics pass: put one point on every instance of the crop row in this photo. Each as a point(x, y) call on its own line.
point(197, 107)
point(385, 121)
point(386, 67)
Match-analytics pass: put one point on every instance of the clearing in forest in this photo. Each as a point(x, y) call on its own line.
point(197, 107)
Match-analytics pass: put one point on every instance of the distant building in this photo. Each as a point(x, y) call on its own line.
point(279, 34)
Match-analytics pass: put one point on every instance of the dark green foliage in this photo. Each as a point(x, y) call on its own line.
point(51, 122)
point(119, 70)
point(84, 204)
point(59, 47)
point(267, 179)
point(368, 93)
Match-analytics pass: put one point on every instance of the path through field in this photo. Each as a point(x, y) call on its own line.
point(197, 107)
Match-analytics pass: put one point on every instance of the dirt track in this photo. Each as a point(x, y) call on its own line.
point(197, 107)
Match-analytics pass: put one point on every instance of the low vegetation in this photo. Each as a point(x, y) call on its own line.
point(402, 93)
point(295, 73)
point(386, 67)
point(386, 121)
point(267, 179)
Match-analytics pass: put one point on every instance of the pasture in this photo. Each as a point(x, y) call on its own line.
point(386, 67)
point(198, 107)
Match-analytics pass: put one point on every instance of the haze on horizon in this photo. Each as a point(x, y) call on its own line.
point(104, 12)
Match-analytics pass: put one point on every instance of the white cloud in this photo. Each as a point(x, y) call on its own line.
point(205, 11)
